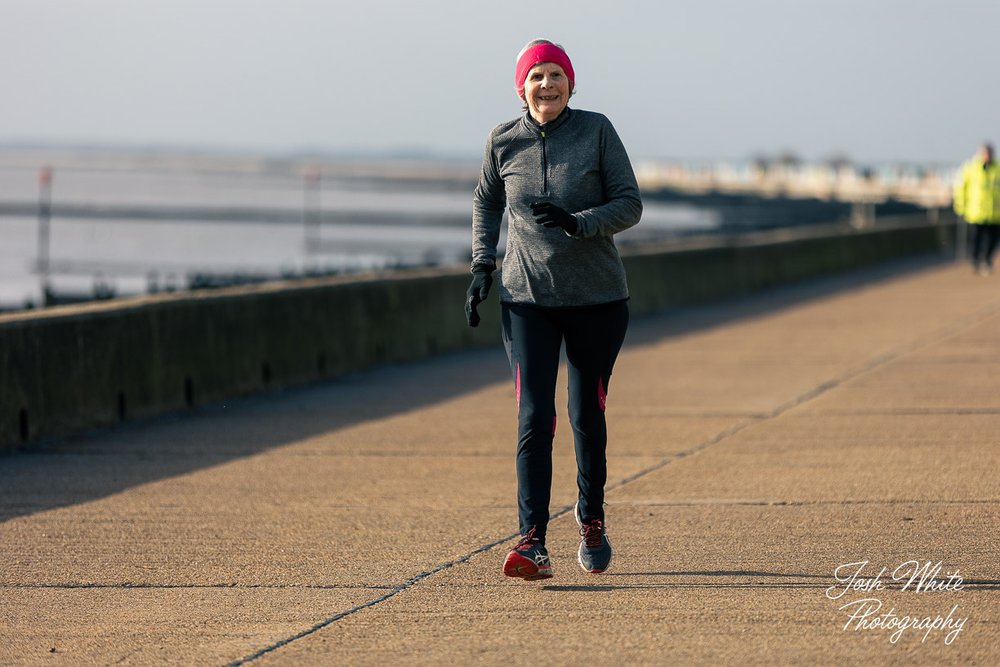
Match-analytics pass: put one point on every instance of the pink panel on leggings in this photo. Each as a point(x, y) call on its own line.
point(517, 386)
point(602, 395)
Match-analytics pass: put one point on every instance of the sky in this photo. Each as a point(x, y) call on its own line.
point(875, 80)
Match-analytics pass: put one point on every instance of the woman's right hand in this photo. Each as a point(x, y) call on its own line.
point(482, 281)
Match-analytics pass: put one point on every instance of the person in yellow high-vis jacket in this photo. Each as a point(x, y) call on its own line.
point(977, 200)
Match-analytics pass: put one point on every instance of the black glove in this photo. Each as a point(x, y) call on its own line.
point(482, 281)
point(551, 216)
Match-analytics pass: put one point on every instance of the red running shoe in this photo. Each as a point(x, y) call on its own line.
point(528, 559)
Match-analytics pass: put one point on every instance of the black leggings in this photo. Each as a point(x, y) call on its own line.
point(533, 337)
point(984, 243)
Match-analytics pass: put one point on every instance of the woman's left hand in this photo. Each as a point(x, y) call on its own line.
point(549, 215)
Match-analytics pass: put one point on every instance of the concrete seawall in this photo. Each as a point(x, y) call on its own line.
point(69, 369)
point(668, 276)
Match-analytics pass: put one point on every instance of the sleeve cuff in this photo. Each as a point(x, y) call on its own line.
point(578, 234)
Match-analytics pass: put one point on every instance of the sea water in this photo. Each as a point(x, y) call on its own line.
point(189, 222)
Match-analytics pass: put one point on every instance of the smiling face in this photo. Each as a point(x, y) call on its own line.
point(546, 91)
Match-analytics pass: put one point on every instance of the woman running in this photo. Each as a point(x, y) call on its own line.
point(567, 181)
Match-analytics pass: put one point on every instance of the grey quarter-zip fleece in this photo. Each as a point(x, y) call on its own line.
point(578, 163)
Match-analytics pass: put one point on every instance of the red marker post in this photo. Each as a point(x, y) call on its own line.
point(44, 218)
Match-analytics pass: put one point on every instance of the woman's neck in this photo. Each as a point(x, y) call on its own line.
point(540, 122)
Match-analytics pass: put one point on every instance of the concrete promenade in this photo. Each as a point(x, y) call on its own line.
point(756, 445)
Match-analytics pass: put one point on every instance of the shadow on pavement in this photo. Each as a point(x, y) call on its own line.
point(79, 469)
point(719, 573)
point(826, 581)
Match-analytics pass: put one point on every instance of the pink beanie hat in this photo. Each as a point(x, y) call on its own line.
point(541, 53)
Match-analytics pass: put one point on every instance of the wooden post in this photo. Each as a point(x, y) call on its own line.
point(312, 214)
point(44, 219)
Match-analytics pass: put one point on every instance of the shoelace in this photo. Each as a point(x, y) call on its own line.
point(592, 532)
point(527, 541)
